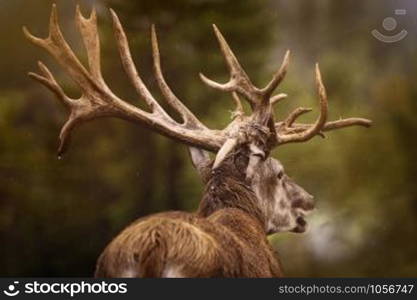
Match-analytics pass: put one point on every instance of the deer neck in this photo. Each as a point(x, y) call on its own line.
point(227, 194)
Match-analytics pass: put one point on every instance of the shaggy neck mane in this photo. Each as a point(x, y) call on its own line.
point(226, 187)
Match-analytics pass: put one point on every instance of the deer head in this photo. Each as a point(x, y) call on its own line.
point(243, 146)
point(283, 203)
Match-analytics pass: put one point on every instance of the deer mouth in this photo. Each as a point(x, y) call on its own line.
point(301, 225)
point(300, 221)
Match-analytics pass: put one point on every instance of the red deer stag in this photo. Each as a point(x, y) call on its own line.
point(247, 194)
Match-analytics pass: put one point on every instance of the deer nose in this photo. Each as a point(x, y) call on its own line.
point(311, 203)
point(305, 203)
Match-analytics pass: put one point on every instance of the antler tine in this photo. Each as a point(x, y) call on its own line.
point(56, 45)
point(238, 111)
point(188, 117)
point(277, 98)
point(89, 34)
point(239, 80)
point(278, 77)
point(347, 123)
point(130, 68)
point(288, 131)
point(48, 80)
point(321, 120)
point(295, 114)
point(332, 125)
point(233, 64)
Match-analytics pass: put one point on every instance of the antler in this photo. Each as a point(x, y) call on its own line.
point(98, 100)
point(261, 101)
point(290, 132)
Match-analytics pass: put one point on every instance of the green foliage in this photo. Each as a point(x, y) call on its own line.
point(57, 215)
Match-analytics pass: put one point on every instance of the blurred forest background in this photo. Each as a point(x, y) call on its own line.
point(56, 216)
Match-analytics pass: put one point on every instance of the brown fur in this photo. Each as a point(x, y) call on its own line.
point(225, 238)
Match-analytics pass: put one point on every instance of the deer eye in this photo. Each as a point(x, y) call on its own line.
point(280, 175)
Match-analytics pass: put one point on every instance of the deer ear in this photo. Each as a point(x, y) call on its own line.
point(200, 159)
point(255, 157)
